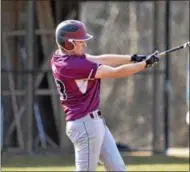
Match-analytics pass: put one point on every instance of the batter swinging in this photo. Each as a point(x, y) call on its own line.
point(77, 76)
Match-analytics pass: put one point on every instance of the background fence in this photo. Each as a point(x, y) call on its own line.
point(145, 111)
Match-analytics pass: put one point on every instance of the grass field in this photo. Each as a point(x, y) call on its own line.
point(66, 163)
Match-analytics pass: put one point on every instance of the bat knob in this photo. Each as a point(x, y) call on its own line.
point(156, 52)
point(153, 54)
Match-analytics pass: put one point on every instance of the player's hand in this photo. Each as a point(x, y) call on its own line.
point(138, 58)
point(152, 59)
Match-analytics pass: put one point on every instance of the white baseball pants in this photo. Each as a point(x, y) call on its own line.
point(92, 142)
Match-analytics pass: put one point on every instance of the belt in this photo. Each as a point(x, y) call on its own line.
point(92, 115)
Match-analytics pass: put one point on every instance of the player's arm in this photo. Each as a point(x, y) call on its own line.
point(115, 59)
point(125, 70)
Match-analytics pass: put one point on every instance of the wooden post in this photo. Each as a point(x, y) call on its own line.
point(45, 19)
point(30, 88)
point(13, 96)
point(155, 113)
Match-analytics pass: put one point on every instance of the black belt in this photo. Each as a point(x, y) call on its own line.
point(92, 115)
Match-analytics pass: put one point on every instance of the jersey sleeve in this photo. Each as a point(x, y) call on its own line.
point(80, 69)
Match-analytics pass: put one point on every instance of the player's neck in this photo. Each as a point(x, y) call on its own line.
point(62, 52)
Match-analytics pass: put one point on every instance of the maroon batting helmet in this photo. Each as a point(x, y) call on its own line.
point(69, 31)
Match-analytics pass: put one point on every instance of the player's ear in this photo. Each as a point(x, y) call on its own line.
point(69, 45)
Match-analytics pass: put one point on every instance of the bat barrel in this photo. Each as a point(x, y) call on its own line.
point(173, 49)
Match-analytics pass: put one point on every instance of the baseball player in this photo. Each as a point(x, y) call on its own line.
point(77, 76)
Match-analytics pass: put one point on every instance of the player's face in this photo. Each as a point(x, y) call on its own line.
point(80, 47)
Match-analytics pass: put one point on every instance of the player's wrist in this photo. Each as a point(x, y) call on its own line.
point(144, 64)
point(133, 57)
point(138, 57)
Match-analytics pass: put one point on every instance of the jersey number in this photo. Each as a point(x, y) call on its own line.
point(61, 89)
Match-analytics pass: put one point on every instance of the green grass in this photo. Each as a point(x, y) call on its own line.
point(66, 163)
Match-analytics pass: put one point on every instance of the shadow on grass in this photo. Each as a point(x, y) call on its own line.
point(68, 160)
point(156, 159)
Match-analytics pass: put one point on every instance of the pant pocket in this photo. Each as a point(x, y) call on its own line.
point(75, 132)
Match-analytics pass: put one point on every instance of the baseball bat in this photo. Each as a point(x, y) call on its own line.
point(187, 44)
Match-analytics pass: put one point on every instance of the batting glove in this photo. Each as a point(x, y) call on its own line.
point(138, 58)
point(152, 59)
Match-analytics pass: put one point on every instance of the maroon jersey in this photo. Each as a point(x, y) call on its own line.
point(79, 90)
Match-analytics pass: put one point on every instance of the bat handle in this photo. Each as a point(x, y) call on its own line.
point(162, 54)
point(154, 53)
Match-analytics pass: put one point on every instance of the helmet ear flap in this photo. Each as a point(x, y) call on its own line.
point(68, 45)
